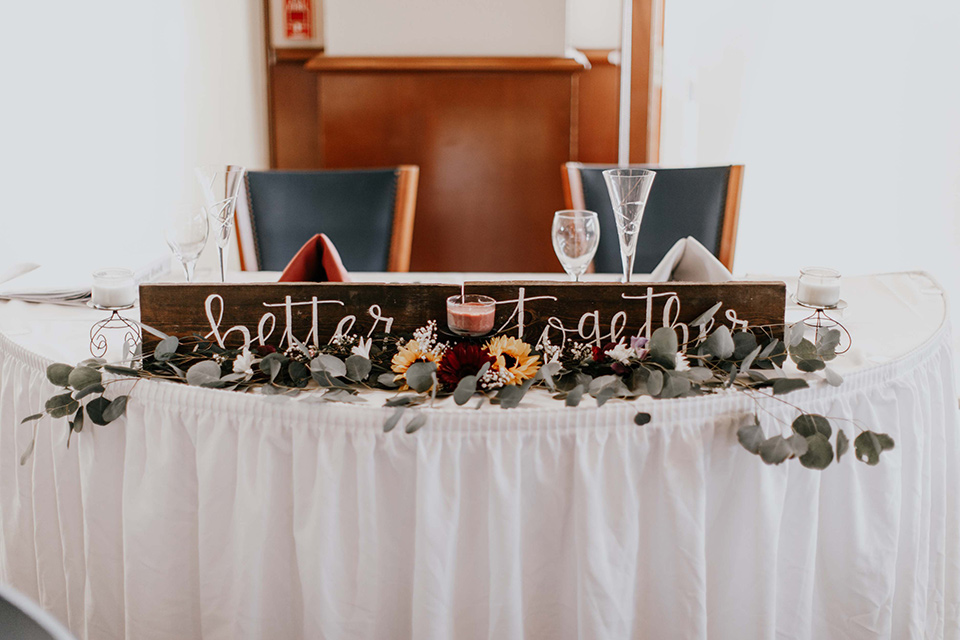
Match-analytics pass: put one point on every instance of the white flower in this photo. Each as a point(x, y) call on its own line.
point(362, 348)
point(682, 363)
point(622, 353)
point(244, 362)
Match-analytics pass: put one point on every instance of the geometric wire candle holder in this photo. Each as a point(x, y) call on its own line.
point(820, 320)
point(115, 322)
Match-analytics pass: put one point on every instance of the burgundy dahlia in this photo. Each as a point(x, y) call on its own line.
point(462, 360)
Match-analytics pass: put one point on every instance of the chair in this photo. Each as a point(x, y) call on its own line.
point(23, 619)
point(368, 214)
point(703, 202)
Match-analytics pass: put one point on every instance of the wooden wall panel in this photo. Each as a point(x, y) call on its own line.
point(599, 109)
point(488, 143)
point(295, 117)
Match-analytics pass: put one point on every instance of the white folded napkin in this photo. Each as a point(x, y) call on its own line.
point(690, 261)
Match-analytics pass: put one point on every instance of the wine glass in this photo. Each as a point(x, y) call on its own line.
point(629, 189)
point(221, 188)
point(576, 235)
point(187, 236)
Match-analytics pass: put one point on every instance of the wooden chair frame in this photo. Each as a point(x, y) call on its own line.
point(401, 237)
point(573, 199)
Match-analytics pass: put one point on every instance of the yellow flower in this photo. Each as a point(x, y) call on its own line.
point(513, 356)
point(410, 353)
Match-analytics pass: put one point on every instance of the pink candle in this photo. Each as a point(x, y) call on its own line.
point(470, 315)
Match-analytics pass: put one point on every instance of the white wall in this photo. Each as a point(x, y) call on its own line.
point(847, 116)
point(105, 108)
point(594, 24)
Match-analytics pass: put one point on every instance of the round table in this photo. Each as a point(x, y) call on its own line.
point(217, 515)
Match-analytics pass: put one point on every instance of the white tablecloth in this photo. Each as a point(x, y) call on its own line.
point(216, 515)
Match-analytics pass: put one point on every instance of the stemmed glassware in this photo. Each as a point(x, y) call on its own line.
point(221, 187)
point(576, 235)
point(629, 189)
point(186, 236)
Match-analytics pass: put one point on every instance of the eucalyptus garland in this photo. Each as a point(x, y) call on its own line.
point(425, 366)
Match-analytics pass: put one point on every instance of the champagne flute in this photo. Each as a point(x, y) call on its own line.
point(187, 236)
point(629, 189)
point(576, 235)
point(221, 188)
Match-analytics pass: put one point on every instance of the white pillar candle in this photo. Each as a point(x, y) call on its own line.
point(818, 287)
point(113, 288)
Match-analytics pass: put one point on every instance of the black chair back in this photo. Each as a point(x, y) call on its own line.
point(682, 202)
point(354, 208)
point(23, 619)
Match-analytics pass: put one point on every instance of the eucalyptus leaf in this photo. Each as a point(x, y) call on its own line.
point(82, 377)
point(95, 410)
point(166, 348)
point(408, 400)
point(786, 385)
point(116, 408)
point(358, 368)
point(819, 453)
point(655, 383)
point(272, 364)
point(324, 379)
point(420, 375)
point(602, 382)
point(719, 344)
point(663, 347)
point(35, 416)
point(511, 395)
point(827, 342)
point(392, 421)
point(93, 388)
point(121, 371)
point(751, 437)
point(698, 374)
point(59, 374)
point(674, 386)
point(868, 448)
point(750, 357)
point(809, 424)
point(465, 390)
point(804, 350)
point(798, 444)
point(92, 362)
point(416, 422)
point(329, 364)
point(706, 316)
point(886, 442)
point(574, 396)
point(744, 342)
point(62, 405)
point(642, 418)
point(811, 365)
point(605, 394)
point(77, 423)
point(298, 371)
point(793, 334)
point(775, 450)
point(732, 377)
point(768, 348)
point(545, 373)
point(833, 377)
point(843, 443)
point(203, 372)
point(388, 380)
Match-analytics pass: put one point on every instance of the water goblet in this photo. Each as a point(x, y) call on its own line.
point(576, 235)
point(186, 236)
point(221, 185)
point(629, 190)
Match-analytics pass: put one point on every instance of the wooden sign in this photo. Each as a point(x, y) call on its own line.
point(276, 313)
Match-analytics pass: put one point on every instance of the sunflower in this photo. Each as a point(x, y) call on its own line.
point(513, 356)
point(462, 360)
point(408, 354)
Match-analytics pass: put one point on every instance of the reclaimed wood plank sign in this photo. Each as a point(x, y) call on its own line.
point(276, 314)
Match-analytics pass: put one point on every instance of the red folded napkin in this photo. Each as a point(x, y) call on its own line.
point(317, 261)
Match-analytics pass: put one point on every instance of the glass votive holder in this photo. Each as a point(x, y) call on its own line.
point(113, 289)
point(471, 315)
point(819, 287)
